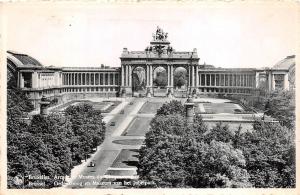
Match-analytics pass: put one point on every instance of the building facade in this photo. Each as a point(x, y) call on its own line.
point(67, 83)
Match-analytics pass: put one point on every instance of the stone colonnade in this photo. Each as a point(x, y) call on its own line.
point(230, 79)
point(95, 78)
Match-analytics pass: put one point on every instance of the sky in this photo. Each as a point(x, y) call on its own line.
point(228, 35)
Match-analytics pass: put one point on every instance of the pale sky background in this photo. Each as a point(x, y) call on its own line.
point(225, 34)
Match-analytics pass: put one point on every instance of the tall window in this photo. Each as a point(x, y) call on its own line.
point(97, 79)
point(208, 79)
point(106, 79)
point(111, 78)
point(217, 80)
point(202, 79)
point(101, 79)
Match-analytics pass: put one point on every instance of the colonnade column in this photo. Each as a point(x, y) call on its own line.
point(126, 75)
point(21, 81)
point(200, 78)
point(242, 83)
point(168, 75)
point(197, 76)
point(151, 76)
point(122, 75)
point(114, 79)
point(69, 79)
point(94, 78)
point(147, 76)
point(215, 79)
point(85, 78)
point(193, 76)
point(108, 78)
point(240, 80)
point(130, 76)
point(172, 76)
point(189, 72)
point(248, 80)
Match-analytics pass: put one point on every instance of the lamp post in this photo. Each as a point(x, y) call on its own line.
point(44, 103)
point(189, 106)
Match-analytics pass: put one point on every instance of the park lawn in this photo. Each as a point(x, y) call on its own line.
point(121, 172)
point(66, 105)
point(150, 107)
point(129, 141)
point(138, 127)
point(100, 105)
point(127, 158)
point(113, 105)
point(216, 108)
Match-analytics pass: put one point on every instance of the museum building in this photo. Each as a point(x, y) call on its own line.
point(68, 83)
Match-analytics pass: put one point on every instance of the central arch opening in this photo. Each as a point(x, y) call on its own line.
point(160, 81)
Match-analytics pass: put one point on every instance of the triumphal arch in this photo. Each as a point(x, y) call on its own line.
point(158, 54)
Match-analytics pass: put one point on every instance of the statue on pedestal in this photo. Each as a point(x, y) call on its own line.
point(169, 94)
point(160, 35)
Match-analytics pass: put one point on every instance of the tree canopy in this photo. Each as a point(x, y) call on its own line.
point(48, 145)
point(178, 154)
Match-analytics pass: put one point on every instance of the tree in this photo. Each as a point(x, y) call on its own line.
point(277, 104)
point(282, 107)
point(174, 155)
point(177, 154)
point(48, 145)
point(220, 133)
point(161, 79)
point(270, 154)
point(18, 105)
point(217, 164)
point(88, 129)
point(180, 78)
point(173, 107)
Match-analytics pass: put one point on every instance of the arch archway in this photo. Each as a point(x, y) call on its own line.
point(138, 81)
point(180, 81)
point(160, 81)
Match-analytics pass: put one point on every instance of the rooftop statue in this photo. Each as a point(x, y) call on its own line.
point(160, 35)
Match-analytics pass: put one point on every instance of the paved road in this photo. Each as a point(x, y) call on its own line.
point(90, 177)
